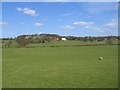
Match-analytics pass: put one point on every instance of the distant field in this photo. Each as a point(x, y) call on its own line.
point(69, 43)
point(61, 67)
point(58, 43)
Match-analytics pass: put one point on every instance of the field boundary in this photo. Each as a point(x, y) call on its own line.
point(75, 45)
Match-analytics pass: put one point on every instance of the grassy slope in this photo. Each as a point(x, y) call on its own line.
point(60, 67)
point(68, 43)
point(57, 43)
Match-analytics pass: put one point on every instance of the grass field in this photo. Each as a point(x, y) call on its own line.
point(60, 67)
point(69, 43)
point(57, 43)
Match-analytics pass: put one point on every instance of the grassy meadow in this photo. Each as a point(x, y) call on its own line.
point(70, 43)
point(60, 67)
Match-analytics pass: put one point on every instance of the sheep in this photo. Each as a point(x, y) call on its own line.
point(100, 58)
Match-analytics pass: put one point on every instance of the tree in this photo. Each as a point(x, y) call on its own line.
point(22, 41)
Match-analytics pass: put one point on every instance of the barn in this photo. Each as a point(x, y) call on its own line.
point(64, 39)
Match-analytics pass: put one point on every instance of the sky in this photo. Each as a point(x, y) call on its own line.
point(60, 0)
point(62, 18)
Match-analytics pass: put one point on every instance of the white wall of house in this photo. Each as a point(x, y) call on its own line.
point(64, 39)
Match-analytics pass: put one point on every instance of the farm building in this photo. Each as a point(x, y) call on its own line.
point(56, 39)
point(64, 39)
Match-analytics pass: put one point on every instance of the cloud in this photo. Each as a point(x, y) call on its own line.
point(67, 27)
point(112, 24)
point(40, 33)
point(94, 28)
point(19, 9)
point(27, 11)
point(68, 14)
point(98, 8)
point(83, 23)
point(97, 29)
point(87, 27)
point(39, 24)
point(2, 24)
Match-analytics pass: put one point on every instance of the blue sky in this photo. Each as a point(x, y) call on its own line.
point(63, 18)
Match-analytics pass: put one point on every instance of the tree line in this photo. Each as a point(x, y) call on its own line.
point(24, 40)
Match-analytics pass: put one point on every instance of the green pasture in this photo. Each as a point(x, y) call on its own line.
point(60, 67)
point(67, 43)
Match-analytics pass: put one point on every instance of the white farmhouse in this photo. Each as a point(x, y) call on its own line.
point(64, 39)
